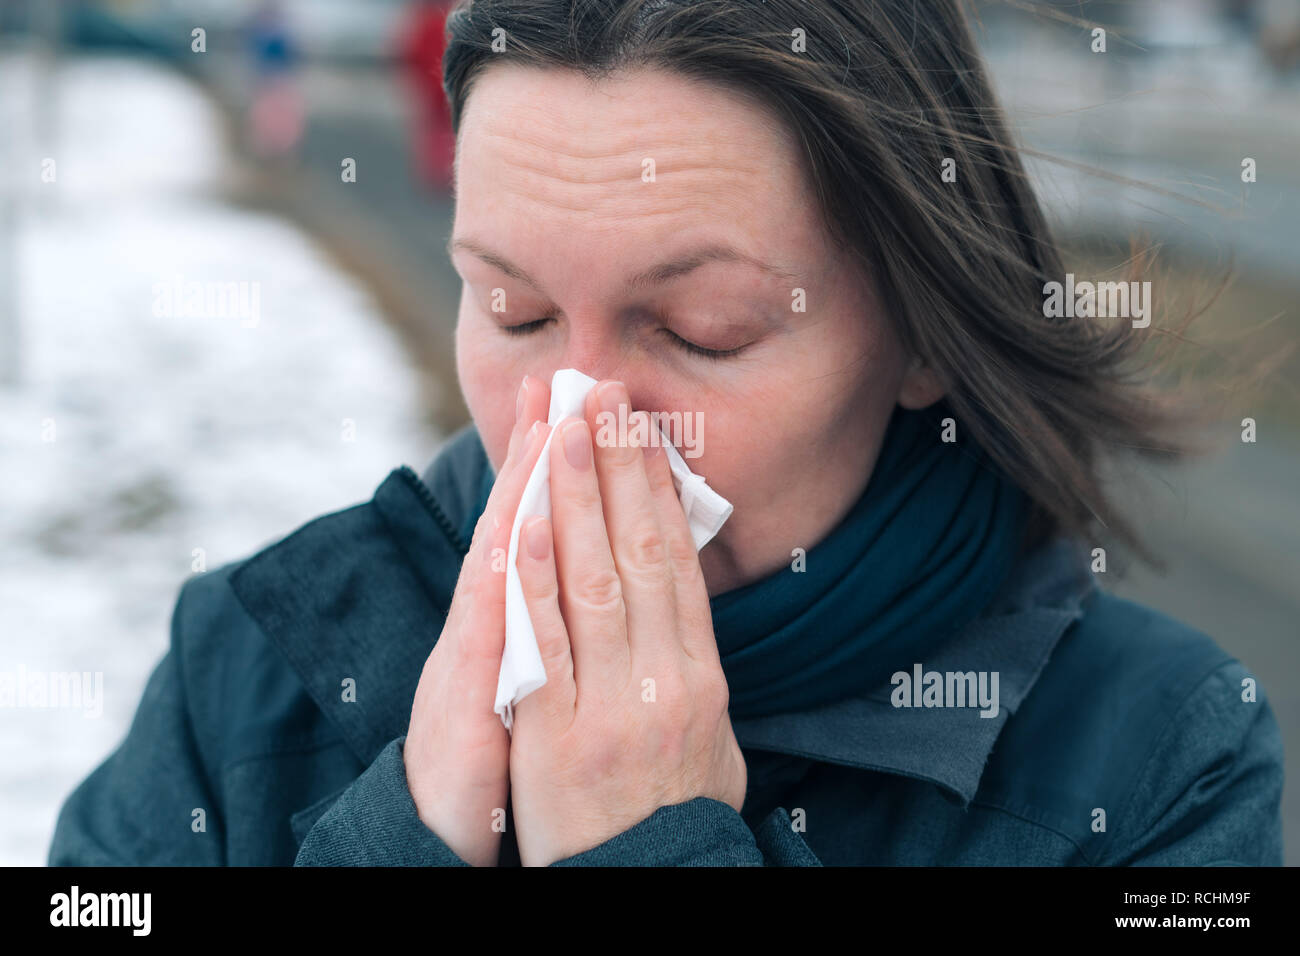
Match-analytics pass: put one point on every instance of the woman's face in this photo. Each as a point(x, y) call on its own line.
point(601, 212)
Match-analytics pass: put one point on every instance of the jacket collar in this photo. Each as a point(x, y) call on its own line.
point(947, 746)
point(363, 593)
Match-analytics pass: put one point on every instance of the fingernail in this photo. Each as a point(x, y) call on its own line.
point(577, 446)
point(538, 539)
point(611, 397)
point(519, 398)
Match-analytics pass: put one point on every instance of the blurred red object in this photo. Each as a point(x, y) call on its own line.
point(422, 43)
point(277, 118)
point(277, 114)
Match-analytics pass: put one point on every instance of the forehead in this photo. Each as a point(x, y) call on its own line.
point(552, 143)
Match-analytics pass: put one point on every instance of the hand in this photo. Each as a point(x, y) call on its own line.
point(457, 751)
point(633, 716)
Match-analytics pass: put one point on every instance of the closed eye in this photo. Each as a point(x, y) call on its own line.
point(524, 329)
point(699, 350)
point(527, 328)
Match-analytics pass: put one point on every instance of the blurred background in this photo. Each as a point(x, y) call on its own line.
point(226, 307)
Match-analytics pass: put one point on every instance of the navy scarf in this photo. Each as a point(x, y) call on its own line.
point(921, 553)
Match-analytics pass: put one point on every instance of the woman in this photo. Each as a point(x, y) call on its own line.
point(894, 651)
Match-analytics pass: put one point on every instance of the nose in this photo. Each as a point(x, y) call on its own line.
point(598, 346)
point(595, 350)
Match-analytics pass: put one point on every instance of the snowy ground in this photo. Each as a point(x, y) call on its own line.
point(143, 429)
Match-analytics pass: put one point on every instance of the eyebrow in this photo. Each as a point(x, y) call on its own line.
point(663, 272)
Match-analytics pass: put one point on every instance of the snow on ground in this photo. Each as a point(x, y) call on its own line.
point(144, 428)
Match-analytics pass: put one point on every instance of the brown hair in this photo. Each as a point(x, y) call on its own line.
point(883, 93)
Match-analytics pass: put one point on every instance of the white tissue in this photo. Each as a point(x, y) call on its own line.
point(522, 671)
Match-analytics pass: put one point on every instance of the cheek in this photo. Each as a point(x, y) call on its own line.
point(742, 435)
point(802, 439)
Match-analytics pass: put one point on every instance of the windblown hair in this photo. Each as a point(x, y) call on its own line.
point(883, 94)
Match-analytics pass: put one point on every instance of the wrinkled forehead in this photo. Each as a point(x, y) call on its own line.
point(637, 158)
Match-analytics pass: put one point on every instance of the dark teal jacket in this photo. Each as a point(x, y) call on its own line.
point(1122, 736)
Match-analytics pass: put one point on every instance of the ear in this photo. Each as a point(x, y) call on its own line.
point(920, 387)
